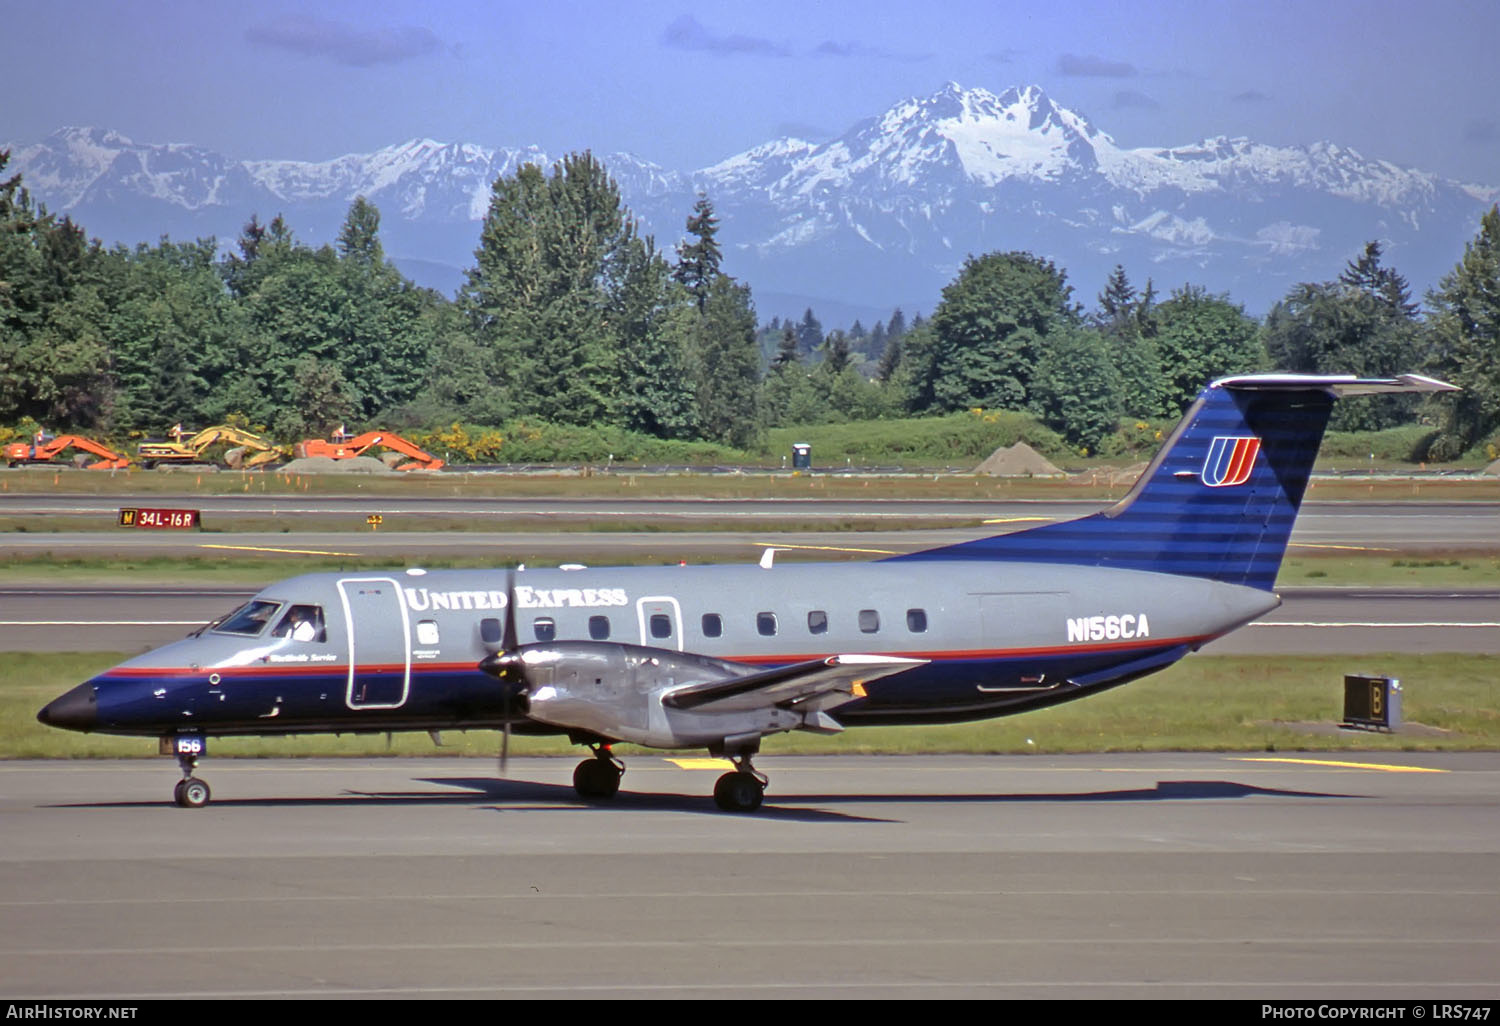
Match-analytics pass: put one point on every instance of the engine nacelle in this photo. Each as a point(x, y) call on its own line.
point(616, 690)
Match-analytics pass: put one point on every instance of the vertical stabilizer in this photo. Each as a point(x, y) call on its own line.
point(1220, 498)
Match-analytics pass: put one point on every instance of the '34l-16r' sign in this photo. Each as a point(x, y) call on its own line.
point(159, 518)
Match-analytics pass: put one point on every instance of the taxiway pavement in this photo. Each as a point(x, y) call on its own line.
point(1260, 876)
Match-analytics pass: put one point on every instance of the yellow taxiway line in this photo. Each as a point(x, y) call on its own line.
point(1348, 765)
point(295, 552)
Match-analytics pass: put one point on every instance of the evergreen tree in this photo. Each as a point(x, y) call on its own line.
point(809, 333)
point(359, 239)
point(53, 354)
point(1117, 304)
point(897, 326)
point(1380, 283)
point(1363, 324)
point(786, 351)
point(1465, 342)
point(547, 273)
point(838, 353)
point(655, 397)
point(726, 365)
point(890, 360)
point(1125, 320)
point(698, 261)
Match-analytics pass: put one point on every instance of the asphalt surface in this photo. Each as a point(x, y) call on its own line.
point(1257, 877)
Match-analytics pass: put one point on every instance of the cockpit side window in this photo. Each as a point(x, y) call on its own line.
point(302, 623)
point(249, 620)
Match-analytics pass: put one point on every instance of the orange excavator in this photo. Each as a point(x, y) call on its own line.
point(44, 448)
point(404, 455)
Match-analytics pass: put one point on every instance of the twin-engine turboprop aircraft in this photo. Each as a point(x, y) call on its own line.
point(718, 657)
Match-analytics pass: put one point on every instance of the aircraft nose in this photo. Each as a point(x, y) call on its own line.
point(76, 710)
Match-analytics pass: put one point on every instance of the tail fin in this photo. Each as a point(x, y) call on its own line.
point(1219, 499)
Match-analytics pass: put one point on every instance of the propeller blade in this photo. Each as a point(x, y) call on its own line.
point(508, 641)
point(506, 661)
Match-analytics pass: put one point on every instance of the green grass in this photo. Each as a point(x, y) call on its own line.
point(1207, 703)
point(1303, 567)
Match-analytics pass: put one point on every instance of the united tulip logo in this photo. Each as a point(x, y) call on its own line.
point(1229, 461)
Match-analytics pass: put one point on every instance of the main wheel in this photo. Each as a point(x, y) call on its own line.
point(738, 792)
point(192, 793)
point(596, 778)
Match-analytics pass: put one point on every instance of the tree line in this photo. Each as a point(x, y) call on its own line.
point(569, 315)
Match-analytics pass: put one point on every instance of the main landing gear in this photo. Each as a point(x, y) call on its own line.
point(598, 777)
point(743, 788)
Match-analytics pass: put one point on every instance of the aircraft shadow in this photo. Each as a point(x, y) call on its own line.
point(540, 797)
point(1166, 790)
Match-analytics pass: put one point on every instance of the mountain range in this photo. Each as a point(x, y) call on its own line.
point(882, 215)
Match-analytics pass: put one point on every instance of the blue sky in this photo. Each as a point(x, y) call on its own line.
point(688, 85)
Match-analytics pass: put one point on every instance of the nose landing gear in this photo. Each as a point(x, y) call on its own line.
point(190, 792)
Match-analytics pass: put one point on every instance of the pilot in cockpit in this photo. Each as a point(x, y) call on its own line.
point(302, 623)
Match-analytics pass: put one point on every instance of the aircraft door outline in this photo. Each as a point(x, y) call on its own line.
point(372, 690)
point(659, 605)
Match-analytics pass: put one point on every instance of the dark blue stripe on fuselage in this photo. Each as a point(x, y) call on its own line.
point(943, 690)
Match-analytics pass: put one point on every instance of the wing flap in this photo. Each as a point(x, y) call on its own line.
point(799, 685)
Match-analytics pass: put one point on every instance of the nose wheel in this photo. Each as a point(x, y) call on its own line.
point(191, 793)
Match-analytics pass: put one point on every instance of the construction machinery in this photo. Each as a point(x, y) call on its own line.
point(45, 448)
point(186, 449)
point(404, 455)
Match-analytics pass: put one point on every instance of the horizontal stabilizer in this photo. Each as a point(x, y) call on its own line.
point(788, 685)
point(1341, 385)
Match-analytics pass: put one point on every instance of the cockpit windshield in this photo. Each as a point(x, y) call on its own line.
point(248, 620)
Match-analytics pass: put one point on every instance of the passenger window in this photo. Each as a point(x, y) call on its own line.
point(713, 625)
point(817, 622)
point(599, 628)
point(916, 620)
point(545, 628)
point(427, 632)
point(661, 625)
point(766, 624)
point(869, 621)
point(302, 623)
point(490, 631)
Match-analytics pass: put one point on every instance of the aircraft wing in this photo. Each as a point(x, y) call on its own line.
point(805, 685)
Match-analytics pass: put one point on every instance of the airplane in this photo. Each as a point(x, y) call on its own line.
point(719, 657)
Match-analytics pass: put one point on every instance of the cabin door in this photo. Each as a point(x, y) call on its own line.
point(379, 643)
point(660, 619)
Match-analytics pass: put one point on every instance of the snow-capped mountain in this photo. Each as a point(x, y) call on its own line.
point(887, 211)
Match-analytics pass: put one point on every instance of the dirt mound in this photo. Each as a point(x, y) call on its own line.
point(1493, 468)
point(1019, 460)
point(324, 465)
